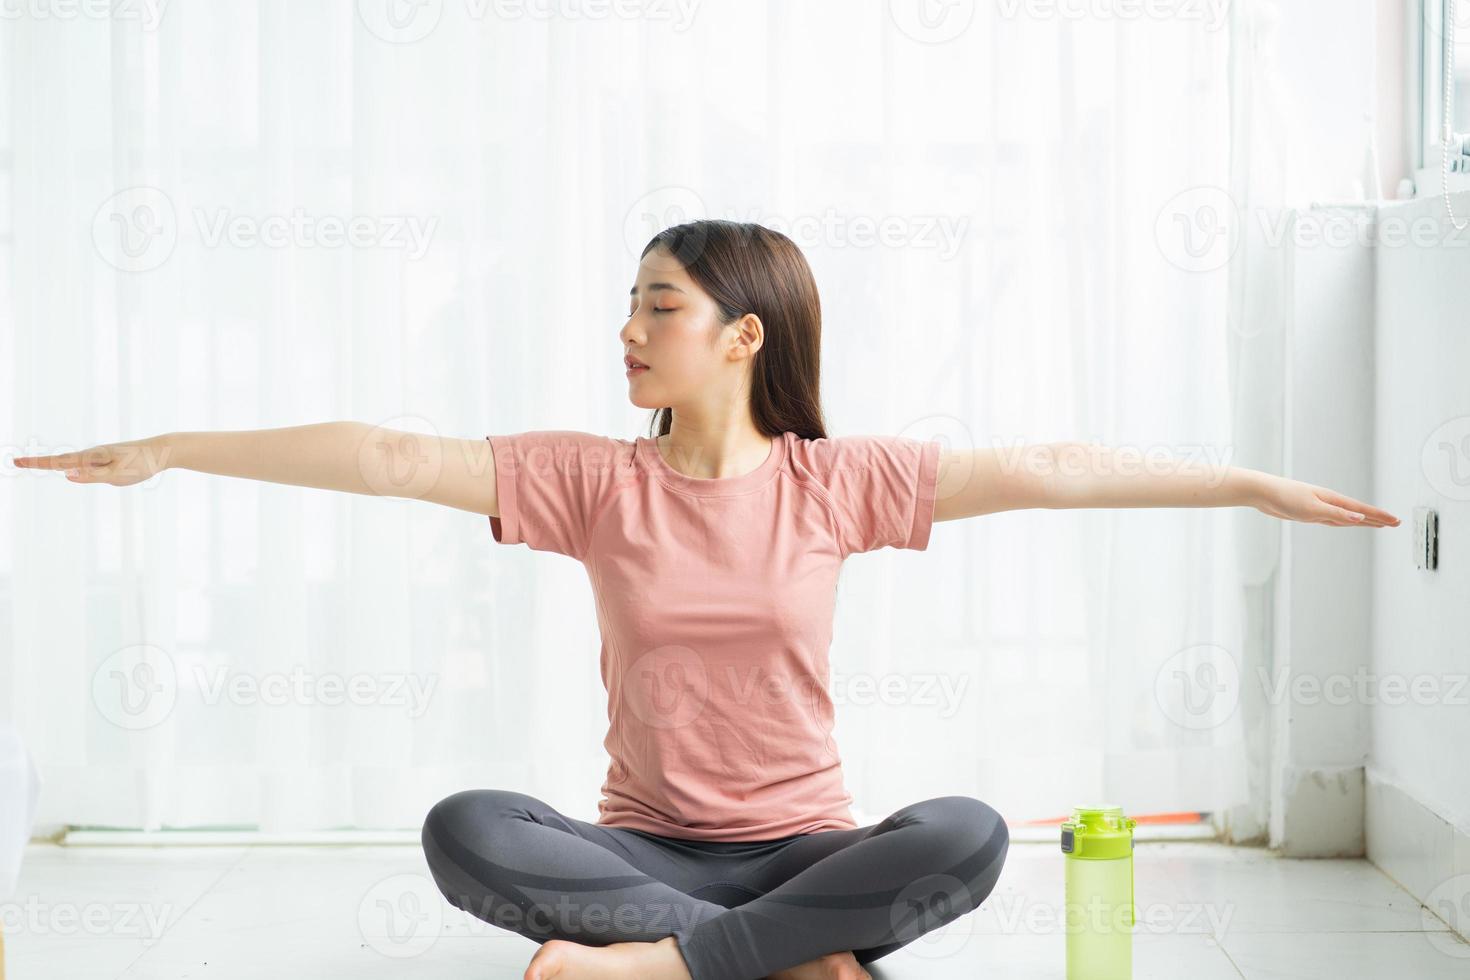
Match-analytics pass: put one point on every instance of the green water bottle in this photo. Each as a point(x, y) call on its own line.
point(1099, 910)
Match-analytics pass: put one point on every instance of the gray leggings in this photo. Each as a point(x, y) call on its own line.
point(738, 910)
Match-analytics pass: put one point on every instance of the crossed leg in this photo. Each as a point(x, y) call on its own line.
point(515, 862)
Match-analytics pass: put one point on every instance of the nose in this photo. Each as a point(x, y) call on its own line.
point(629, 333)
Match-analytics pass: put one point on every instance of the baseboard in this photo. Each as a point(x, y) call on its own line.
point(1421, 850)
point(1322, 812)
point(238, 838)
point(233, 838)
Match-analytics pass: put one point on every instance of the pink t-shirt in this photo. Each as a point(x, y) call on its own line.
point(715, 600)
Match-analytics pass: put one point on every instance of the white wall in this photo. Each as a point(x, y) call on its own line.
point(1418, 805)
point(1320, 742)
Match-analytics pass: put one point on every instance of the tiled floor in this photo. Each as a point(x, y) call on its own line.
point(1205, 912)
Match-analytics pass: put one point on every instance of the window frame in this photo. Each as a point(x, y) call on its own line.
point(1425, 91)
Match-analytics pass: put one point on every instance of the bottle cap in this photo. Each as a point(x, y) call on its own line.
point(1098, 833)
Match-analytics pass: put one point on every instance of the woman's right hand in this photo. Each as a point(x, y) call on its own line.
point(120, 464)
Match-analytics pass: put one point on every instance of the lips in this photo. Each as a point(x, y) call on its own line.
point(631, 363)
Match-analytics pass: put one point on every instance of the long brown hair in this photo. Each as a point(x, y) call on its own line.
point(748, 268)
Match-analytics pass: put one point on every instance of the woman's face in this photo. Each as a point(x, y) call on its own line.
point(673, 326)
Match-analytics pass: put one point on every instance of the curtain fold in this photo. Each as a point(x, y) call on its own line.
point(262, 214)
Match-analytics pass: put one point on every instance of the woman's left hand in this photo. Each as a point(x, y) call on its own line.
point(1292, 500)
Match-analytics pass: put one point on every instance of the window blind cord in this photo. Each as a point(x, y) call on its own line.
point(1448, 130)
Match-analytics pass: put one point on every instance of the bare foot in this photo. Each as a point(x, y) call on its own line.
point(833, 966)
point(565, 960)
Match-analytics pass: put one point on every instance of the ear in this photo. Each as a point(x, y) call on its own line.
point(750, 335)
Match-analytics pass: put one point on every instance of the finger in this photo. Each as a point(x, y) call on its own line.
point(1336, 521)
point(64, 461)
point(1368, 510)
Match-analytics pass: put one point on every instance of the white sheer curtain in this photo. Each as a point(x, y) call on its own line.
point(987, 199)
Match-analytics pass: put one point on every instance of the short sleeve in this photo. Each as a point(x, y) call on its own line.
point(882, 489)
point(551, 486)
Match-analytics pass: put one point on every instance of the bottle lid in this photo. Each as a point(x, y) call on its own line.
point(1098, 833)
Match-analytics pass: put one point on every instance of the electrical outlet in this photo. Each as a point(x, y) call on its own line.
point(1426, 538)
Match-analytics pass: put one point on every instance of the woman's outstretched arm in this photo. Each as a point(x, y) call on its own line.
point(1073, 474)
point(352, 457)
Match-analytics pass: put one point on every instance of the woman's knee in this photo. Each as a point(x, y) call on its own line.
point(471, 818)
point(973, 835)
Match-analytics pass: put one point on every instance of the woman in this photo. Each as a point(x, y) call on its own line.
point(724, 846)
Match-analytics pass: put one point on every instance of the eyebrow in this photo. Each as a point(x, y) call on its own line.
point(656, 286)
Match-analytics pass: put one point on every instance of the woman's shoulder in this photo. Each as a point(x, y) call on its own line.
point(827, 454)
point(562, 449)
